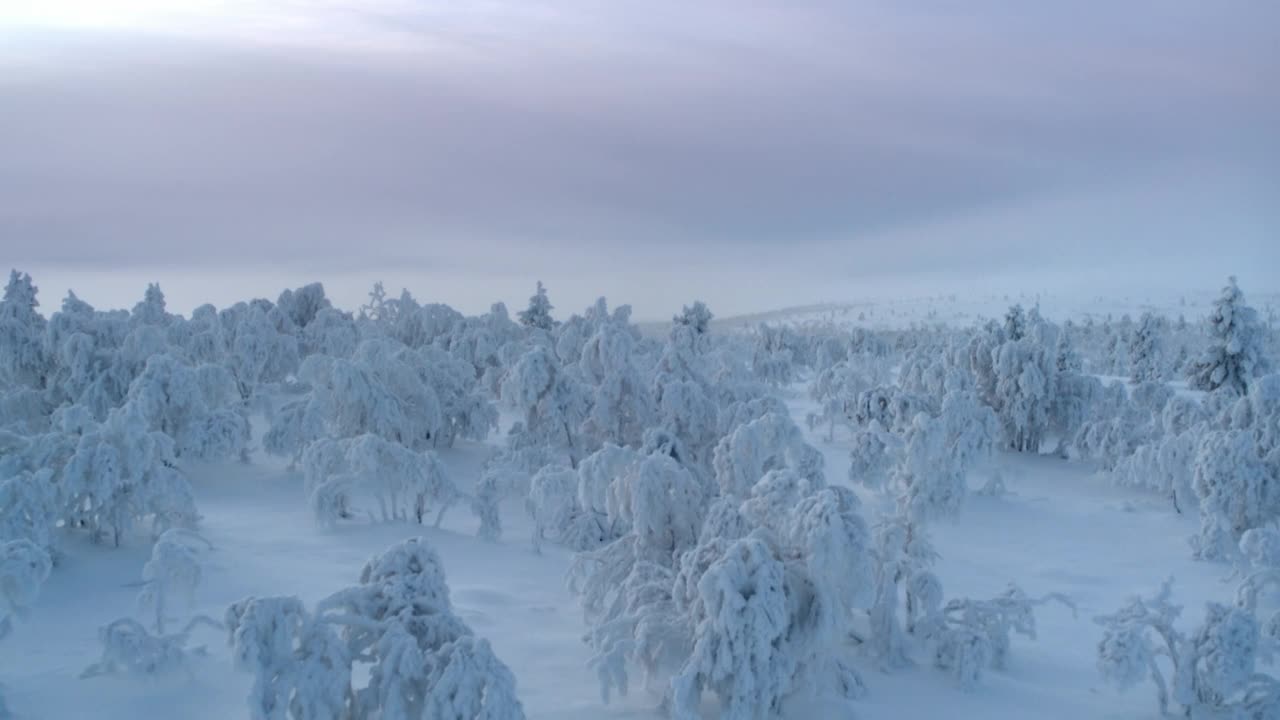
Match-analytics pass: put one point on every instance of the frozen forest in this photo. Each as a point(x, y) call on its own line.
point(284, 510)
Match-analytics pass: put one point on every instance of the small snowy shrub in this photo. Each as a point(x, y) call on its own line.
point(24, 567)
point(128, 647)
point(174, 568)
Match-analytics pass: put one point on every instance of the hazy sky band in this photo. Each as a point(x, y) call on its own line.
point(806, 145)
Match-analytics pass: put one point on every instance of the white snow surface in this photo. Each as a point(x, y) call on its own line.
point(1059, 529)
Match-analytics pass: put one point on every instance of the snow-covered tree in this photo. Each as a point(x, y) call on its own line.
point(260, 352)
point(1023, 387)
point(557, 514)
point(128, 647)
point(1147, 349)
point(937, 454)
point(330, 332)
point(466, 411)
point(151, 309)
point(745, 455)
point(196, 407)
point(379, 390)
point(538, 314)
point(30, 508)
point(973, 635)
point(696, 317)
point(773, 360)
point(122, 471)
point(1212, 670)
point(302, 669)
point(739, 647)
point(304, 305)
point(622, 406)
point(174, 568)
point(24, 568)
point(405, 484)
point(497, 481)
point(421, 660)
point(1235, 354)
point(552, 402)
point(1237, 491)
point(839, 389)
point(22, 356)
point(643, 597)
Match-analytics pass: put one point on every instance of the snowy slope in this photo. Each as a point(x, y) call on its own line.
point(964, 309)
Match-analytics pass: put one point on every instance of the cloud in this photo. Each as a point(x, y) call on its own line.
point(666, 146)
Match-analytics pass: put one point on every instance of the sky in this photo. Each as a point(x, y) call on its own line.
point(751, 154)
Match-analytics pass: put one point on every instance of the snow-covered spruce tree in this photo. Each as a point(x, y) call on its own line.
point(538, 314)
point(553, 403)
point(421, 660)
point(23, 361)
point(151, 309)
point(1147, 349)
point(1235, 354)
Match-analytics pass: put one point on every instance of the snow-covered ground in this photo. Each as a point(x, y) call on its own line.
point(1059, 529)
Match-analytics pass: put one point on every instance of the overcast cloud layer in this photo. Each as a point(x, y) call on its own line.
point(754, 154)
